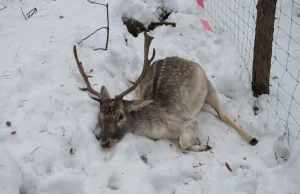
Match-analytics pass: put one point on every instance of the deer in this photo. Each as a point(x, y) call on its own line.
point(169, 94)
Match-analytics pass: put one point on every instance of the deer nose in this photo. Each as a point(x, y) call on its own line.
point(105, 144)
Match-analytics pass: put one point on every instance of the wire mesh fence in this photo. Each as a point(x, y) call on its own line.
point(237, 19)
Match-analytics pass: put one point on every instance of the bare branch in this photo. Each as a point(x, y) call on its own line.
point(207, 141)
point(107, 27)
point(35, 150)
point(96, 3)
point(90, 35)
point(3, 8)
point(31, 12)
point(23, 13)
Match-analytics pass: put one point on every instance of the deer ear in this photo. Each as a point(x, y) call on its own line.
point(104, 93)
point(137, 104)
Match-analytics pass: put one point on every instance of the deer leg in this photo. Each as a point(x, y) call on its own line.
point(189, 139)
point(213, 100)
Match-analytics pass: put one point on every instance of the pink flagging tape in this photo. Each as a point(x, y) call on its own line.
point(206, 25)
point(200, 3)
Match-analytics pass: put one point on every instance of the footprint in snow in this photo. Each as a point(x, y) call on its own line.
point(281, 150)
point(144, 159)
point(114, 182)
point(247, 187)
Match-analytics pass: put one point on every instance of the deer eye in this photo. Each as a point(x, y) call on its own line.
point(121, 116)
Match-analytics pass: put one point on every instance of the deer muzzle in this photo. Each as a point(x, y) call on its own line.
point(109, 143)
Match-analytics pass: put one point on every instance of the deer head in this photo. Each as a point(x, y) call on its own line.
point(115, 113)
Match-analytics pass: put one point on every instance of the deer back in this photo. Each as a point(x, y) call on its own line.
point(176, 84)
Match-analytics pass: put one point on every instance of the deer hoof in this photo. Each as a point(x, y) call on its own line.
point(208, 147)
point(253, 141)
point(199, 148)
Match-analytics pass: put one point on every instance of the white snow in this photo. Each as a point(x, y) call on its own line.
point(39, 94)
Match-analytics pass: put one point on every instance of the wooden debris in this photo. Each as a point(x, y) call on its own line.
point(228, 167)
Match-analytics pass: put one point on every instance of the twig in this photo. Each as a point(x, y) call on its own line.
point(52, 133)
point(5, 75)
point(35, 149)
point(62, 127)
point(107, 27)
point(107, 30)
point(79, 180)
point(29, 14)
point(198, 140)
point(23, 13)
point(96, 3)
point(3, 8)
point(21, 72)
point(207, 141)
point(91, 35)
point(71, 140)
point(220, 162)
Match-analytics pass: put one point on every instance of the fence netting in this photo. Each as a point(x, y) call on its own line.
point(237, 19)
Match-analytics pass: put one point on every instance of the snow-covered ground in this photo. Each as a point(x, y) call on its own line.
point(53, 149)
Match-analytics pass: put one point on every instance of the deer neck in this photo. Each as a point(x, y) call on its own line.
point(145, 119)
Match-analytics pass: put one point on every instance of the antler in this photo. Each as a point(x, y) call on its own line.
point(86, 79)
point(146, 66)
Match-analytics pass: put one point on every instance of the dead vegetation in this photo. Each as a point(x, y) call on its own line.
point(136, 27)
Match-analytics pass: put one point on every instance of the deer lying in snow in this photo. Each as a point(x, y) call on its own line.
point(170, 93)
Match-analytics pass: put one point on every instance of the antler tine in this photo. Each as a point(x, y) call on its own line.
point(86, 78)
point(146, 66)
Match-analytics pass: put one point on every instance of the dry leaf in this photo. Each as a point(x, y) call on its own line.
point(61, 17)
point(228, 167)
point(13, 133)
point(274, 77)
point(195, 166)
